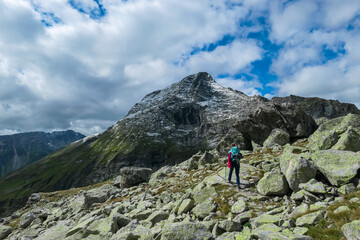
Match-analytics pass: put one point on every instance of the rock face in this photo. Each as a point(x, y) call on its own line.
point(168, 126)
point(277, 136)
point(19, 150)
point(318, 107)
point(265, 118)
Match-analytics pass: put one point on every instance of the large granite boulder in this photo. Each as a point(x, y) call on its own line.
point(265, 118)
point(273, 184)
point(185, 231)
point(4, 231)
point(351, 230)
point(277, 137)
point(296, 168)
point(339, 167)
point(132, 176)
point(311, 218)
point(341, 133)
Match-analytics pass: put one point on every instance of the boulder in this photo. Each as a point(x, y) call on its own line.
point(342, 209)
point(185, 206)
point(157, 216)
point(266, 219)
point(243, 217)
point(185, 231)
point(97, 195)
point(239, 207)
point(202, 193)
point(339, 167)
point(204, 209)
point(349, 140)
point(159, 175)
point(351, 230)
point(272, 184)
point(102, 227)
point(313, 186)
point(277, 137)
point(230, 226)
point(209, 157)
point(341, 133)
point(295, 167)
point(283, 236)
point(26, 219)
point(265, 118)
point(311, 218)
point(134, 230)
point(58, 231)
point(269, 227)
point(4, 231)
point(132, 176)
point(347, 188)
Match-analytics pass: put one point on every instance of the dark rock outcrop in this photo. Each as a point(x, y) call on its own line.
point(319, 107)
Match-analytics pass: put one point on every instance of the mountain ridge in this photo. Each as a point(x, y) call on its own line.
point(168, 126)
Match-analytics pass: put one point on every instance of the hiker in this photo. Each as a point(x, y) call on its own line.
point(234, 157)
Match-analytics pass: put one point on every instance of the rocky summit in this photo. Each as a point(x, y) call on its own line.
point(159, 173)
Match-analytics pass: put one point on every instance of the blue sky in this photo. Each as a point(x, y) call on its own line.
point(82, 64)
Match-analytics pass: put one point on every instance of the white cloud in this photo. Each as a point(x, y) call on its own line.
point(247, 87)
point(86, 73)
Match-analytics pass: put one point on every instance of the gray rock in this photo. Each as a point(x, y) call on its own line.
point(157, 216)
point(185, 231)
point(282, 236)
point(347, 188)
point(351, 230)
point(158, 175)
point(272, 184)
point(132, 176)
point(4, 231)
point(342, 209)
point(277, 136)
point(204, 209)
point(269, 227)
point(311, 218)
point(313, 186)
point(295, 167)
point(239, 207)
point(186, 205)
point(202, 193)
point(26, 219)
point(243, 217)
point(230, 226)
point(339, 167)
point(349, 140)
point(57, 231)
point(266, 219)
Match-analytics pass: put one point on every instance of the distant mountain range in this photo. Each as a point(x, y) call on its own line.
point(19, 150)
point(167, 127)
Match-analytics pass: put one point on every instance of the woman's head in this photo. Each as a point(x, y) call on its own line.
point(233, 145)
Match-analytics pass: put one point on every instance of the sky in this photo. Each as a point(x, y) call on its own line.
point(82, 64)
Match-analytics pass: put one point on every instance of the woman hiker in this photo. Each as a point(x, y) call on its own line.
point(234, 157)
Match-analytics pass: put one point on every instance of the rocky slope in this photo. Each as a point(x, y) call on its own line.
point(318, 107)
point(19, 150)
point(166, 127)
point(289, 191)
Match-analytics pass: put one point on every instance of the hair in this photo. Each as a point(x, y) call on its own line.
point(233, 145)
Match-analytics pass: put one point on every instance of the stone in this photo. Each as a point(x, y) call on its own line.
point(204, 209)
point(342, 209)
point(349, 140)
point(272, 184)
point(351, 230)
point(277, 136)
point(132, 176)
point(157, 216)
point(4, 231)
point(303, 194)
point(239, 207)
point(313, 186)
point(282, 236)
point(158, 175)
point(101, 227)
point(185, 206)
point(209, 157)
point(338, 133)
point(97, 195)
point(354, 200)
point(347, 188)
point(300, 230)
point(339, 167)
point(266, 219)
point(227, 236)
point(310, 219)
point(270, 227)
point(230, 226)
point(185, 231)
point(202, 194)
point(26, 219)
point(243, 217)
point(33, 199)
point(295, 167)
point(244, 235)
point(81, 225)
point(58, 231)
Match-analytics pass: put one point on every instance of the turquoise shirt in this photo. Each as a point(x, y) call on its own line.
point(234, 150)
